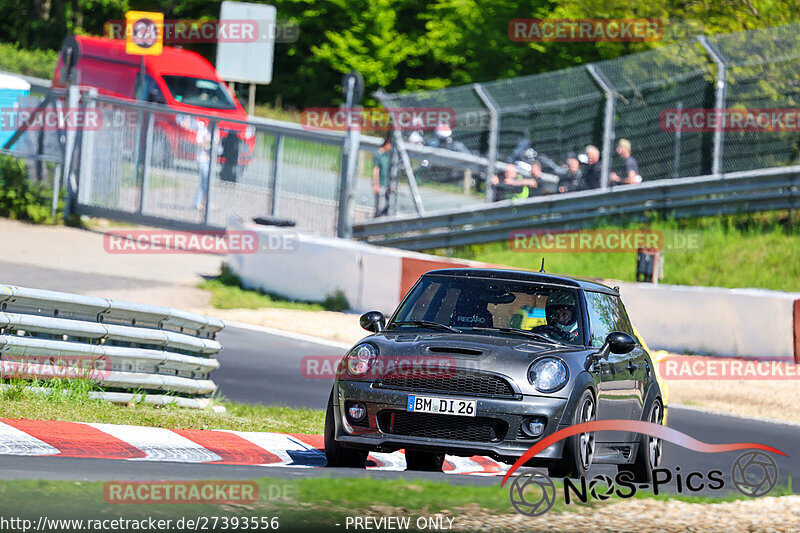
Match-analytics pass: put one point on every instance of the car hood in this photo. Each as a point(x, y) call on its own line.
point(507, 355)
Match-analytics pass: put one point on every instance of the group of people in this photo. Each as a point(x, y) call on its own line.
point(575, 175)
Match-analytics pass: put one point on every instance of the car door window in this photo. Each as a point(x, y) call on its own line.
point(606, 314)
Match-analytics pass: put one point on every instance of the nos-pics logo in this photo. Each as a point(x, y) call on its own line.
point(753, 473)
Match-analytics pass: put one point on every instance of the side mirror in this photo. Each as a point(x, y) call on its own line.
point(619, 342)
point(373, 321)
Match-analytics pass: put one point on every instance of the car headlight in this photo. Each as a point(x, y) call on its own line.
point(360, 359)
point(548, 374)
point(249, 132)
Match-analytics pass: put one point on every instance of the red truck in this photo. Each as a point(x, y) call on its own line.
point(179, 79)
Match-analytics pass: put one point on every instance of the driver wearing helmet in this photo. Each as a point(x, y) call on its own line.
point(561, 312)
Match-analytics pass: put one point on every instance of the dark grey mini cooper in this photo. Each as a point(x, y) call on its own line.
point(488, 362)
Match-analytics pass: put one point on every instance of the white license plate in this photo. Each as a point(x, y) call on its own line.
point(442, 406)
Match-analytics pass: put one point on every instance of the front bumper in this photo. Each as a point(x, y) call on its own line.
point(505, 416)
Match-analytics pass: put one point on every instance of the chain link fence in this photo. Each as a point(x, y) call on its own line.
point(762, 71)
point(549, 116)
point(147, 163)
point(193, 169)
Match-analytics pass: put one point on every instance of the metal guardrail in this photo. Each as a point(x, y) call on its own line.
point(749, 191)
point(152, 353)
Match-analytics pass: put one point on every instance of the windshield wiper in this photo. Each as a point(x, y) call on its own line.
point(427, 324)
point(526, 333)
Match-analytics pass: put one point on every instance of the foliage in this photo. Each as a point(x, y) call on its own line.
point(20, 198)
point(336, 301)
point(38, 63)
point(747, 250)
point(399, 44)
point(227, 292)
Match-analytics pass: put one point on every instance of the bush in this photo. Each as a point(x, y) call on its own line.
point(38, 63)
point(20, 199)
point(336, 301)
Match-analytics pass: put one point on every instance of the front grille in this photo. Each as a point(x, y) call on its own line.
point(468, 383)
point(445, 427)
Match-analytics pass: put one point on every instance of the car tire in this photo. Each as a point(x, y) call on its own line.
point(424, 461)
point(335, 453)
point(649, 451)
point(578, 452)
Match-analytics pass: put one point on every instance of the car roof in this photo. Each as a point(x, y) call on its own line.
point(524, 275)
point(171, 61)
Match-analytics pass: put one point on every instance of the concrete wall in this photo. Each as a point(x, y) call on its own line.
point(730, 322)
point(308, 267)
point(708, 320)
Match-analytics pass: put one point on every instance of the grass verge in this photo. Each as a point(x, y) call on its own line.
point(227, 293)
point(310, 504)
point(70, 401)
point(749, 250)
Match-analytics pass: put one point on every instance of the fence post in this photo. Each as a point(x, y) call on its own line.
point(276, 171)
point(344, 223)
point(88, 141)
point(494, 124)
point(71, 101)
point(400, 145)
point(146, 157)
point(719, 100)
point(394, 172)
point(677, 163)
point(608, 124)
point(212, 167)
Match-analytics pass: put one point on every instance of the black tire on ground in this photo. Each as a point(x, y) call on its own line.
point(424, 461)
point(648, 454)
point(578, 449)
point(337, 455)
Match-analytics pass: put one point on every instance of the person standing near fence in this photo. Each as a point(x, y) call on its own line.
point(380, 178)
point(594, 171)
point(630, 176)
point(571, 180)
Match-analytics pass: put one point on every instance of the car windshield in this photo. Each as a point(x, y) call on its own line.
point(479, 304)
point(199, 92)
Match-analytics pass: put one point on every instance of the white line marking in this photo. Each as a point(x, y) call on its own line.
point(292, 451)
point(14, 441)
point(159, 444)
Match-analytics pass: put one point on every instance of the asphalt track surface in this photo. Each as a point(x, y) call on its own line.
point(261, 367)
